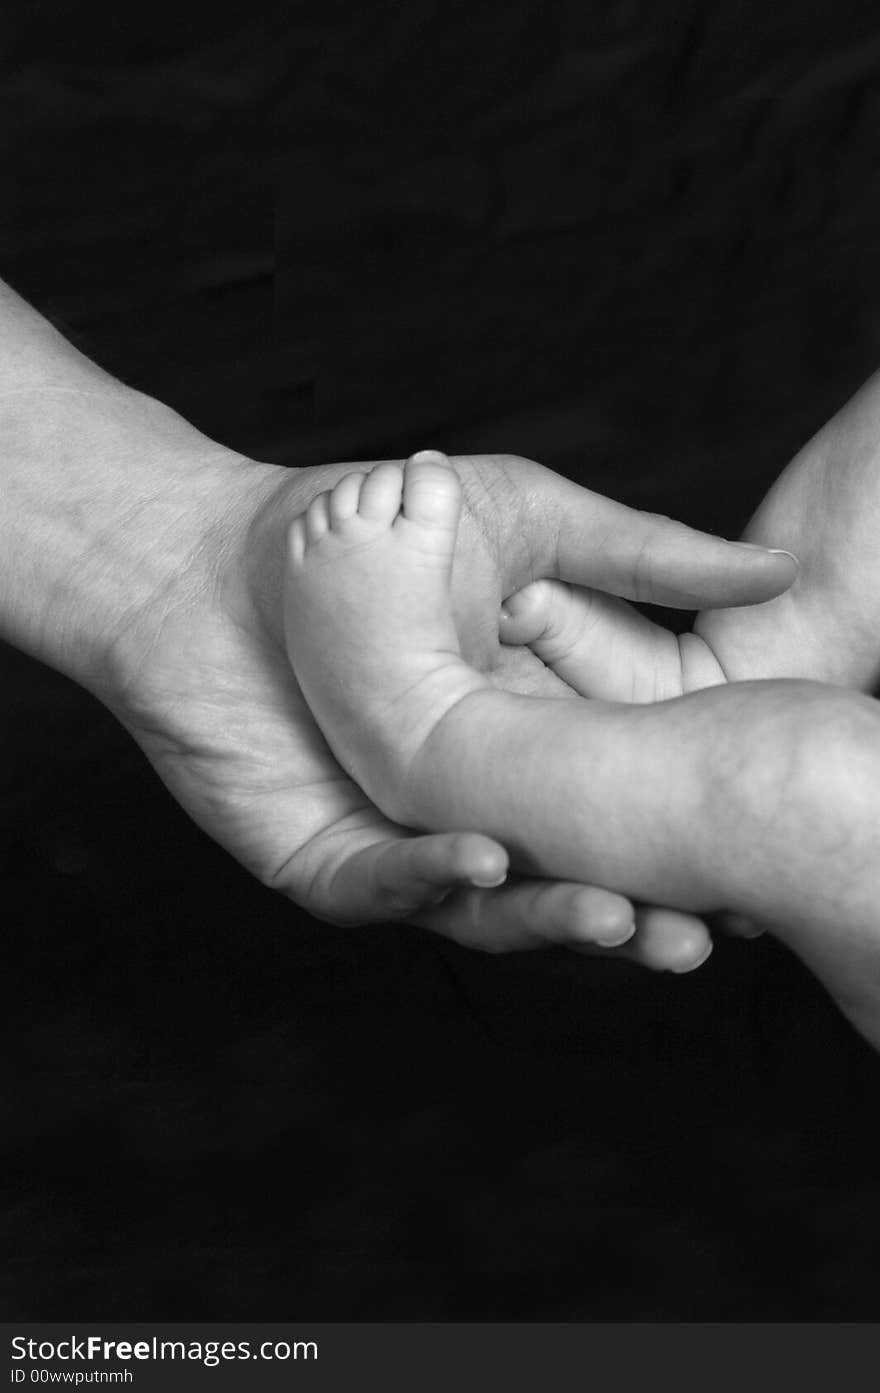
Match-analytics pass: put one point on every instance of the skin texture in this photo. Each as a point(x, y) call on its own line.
point(763, 797)
point(144, 561)
point(203, 683)
point(825, 508)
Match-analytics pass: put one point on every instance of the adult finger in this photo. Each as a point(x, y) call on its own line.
point(668, 940)
point(391, 878)
point(531, 914)
point(738, 925)
point(537, 914)
point(579, 536)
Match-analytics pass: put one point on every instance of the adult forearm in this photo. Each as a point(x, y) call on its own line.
point(105, 496)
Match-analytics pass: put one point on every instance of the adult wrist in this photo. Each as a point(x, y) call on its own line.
point(111, 506)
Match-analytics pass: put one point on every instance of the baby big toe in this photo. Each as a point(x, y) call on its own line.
point(431, 491)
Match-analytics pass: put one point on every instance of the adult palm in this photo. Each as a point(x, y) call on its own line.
point(201, 679)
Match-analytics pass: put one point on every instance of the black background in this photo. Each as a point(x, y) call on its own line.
point(637, 242)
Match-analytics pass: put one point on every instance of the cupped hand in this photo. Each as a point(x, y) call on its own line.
point(199, 676)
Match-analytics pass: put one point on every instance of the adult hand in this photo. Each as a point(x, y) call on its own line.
point(145, 561)
point(200, 677)
point(825, 508)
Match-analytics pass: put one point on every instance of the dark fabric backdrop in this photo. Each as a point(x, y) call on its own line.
point(637, 242)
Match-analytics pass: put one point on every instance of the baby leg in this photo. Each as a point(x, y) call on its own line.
point(744, 797)
point(759, 797)
point(819, 810)
point(590, 790)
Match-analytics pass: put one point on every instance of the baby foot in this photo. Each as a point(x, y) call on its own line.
point(370, 634)
point(368, 576)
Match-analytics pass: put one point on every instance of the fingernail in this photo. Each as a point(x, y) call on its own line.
point(771, 551)
point(482, 884)
point(614, 938)
point(740, 926)
point(692, 967)
point(512, 606)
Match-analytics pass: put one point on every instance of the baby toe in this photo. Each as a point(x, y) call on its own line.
point(345, 498)
point(381, 494)
point(318, 517)
point(296, 541)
